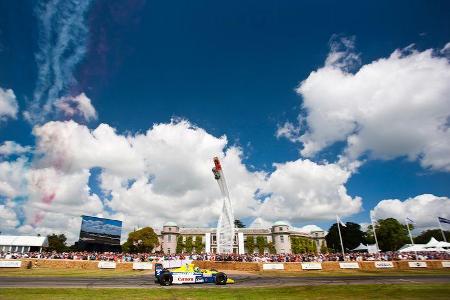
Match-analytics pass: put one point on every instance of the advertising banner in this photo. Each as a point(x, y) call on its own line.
point(142, 266)
point(384, 264)
point(10, 263)
point(311, 266)
point(349, 265)
point(273, 267)
point(417, 264)
point(106, 265)
point(446, 264)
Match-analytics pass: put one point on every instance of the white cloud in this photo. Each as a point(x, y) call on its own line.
point(392, 107)
point(76, 106)
point(289, 131)
point(309, 228)
point(160, 175)
point(304, 190)
point(423, 210)
point(10, 147)
point(8, 218)
point(8, 104)
point(260, 223)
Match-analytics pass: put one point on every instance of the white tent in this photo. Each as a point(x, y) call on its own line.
point(432, 243)
point(361, 247)
point(12, 243)
point(414, 248)
point(443, 245)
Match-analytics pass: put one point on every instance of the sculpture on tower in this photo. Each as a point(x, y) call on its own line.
point(225, 225)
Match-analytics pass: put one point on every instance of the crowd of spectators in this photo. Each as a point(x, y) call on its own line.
point(306, 257)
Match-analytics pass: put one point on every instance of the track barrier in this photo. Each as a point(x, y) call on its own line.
point(220, 265)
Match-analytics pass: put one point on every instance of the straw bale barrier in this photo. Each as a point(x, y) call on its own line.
point(218, 265)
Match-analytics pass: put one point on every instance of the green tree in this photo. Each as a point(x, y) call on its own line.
point(352, 236)
point(271, 247)
point(301, 244)
point(238, 224)
point(198, 244)
point(425, 236)
point(180, 245)
point(250, 244)
point(142, 240)
point(188, 244)
point(57, 242)
point(323, 248)
point(391, 234)
point(261, 244)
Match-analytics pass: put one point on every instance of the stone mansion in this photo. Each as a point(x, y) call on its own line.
point(279, 236)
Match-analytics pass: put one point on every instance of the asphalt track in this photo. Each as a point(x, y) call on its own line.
point(147, 281)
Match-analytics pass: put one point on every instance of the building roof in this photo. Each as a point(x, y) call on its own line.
point(170, 224)
point(196, 230)
point(280, 223)
point(32, 241)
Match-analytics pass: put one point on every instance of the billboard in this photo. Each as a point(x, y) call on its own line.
point(100, 230)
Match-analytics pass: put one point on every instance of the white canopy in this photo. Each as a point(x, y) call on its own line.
point(361, 247)
point(432, 243)
point(443, 245)
point(31, 241)
point(413, 248)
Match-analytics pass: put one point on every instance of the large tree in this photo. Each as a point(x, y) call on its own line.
point(352, 236)
point(239, 224)
point(57, 242)
point(425, 236)
point(391, 234)
point(142, 240)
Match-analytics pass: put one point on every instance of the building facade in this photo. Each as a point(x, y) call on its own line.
point(279, 236)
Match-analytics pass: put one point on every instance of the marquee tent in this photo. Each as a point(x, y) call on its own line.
point(361, 247)
point(12, 243)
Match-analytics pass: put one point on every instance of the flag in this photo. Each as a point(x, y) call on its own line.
point(444, 220)
point(408, 220)
point(340, 222)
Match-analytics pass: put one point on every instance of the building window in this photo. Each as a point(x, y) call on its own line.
point(280, 229)
point(169, 238)
point(170, 228)
point(282, 238)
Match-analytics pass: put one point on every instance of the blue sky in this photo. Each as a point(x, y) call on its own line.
point(229, 68)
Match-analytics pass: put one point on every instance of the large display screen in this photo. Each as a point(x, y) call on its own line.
point(100, 230)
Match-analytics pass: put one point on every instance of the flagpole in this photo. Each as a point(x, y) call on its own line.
point(374, 231)
point(340, 237)
point(442, 231)
point(410, 236)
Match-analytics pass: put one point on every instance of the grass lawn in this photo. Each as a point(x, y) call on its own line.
point(69, 272)
point(403, 291)
point(344, 273)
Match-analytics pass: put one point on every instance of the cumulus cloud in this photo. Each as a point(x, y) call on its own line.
point(423, 210)
point(304, 190)
point(8, 104)
point(79, 106)
point(309, 228)
point(392, 107)
point(289, 131)
point(159, 175)
point(10, 148)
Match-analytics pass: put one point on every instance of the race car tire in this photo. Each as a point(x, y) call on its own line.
point(165, 278)
point(221, 278)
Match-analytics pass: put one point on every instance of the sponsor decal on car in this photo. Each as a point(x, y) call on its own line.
point(199, 279)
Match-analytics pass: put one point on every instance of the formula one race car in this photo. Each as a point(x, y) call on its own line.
point(188, 273)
